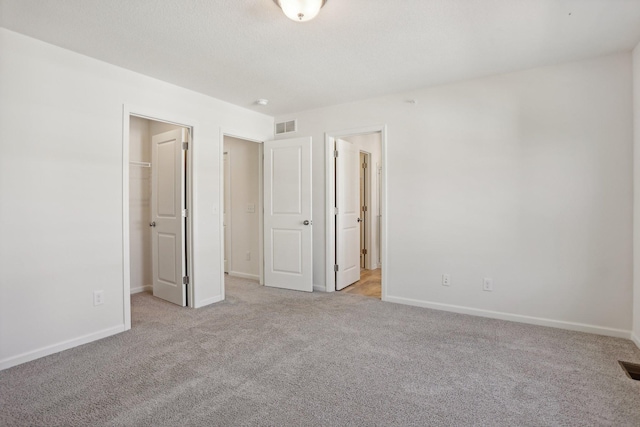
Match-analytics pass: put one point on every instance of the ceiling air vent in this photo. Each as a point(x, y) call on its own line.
point(286, 127)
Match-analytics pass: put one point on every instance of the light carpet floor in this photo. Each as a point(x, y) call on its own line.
point(274, 357)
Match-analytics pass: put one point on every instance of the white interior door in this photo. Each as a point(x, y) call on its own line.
point(168, 225)
point(348, 216)
point(287, 214)
point(225, 210)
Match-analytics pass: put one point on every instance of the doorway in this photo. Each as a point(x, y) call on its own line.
point(242, 208)
point(157, 209)
point(285, 212)
point(355, 199)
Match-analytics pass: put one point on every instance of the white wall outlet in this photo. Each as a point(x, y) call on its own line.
point(487, 284)
point(98, 297)
point(251, 208)
point(248, 256)
point(446, 280)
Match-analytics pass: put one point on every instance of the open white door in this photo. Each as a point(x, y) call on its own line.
point(287, 214)
point(347, 218)
point(167, 204)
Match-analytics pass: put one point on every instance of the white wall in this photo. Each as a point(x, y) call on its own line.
point(243, 157)
point(140, 205)
point(524, 177)
point(636, 209)
point(371, 143)
point(61, 191)
point(156, 128)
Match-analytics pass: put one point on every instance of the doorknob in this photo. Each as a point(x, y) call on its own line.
point(152, 224)
point(360, 219)
point(307, 222)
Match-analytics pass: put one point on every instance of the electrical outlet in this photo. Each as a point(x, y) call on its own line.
point(487, 284)
point(446, 280)
point(251, 208)
point(98, 297)
point(248, 256)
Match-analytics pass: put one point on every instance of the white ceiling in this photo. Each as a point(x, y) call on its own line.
point(242, 50)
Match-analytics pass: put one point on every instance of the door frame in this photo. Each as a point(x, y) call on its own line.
point(225, 256)
point(368, 231)
point(193, 126)
point(330, 228)
point(239, 135)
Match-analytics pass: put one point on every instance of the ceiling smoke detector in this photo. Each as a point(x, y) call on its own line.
point(300, 10)
point(262, 101)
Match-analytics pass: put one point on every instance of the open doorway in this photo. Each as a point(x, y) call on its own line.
point(355, 226)
point(284, 213)
point(158, 214)
point(370, 167)
point(242, 208)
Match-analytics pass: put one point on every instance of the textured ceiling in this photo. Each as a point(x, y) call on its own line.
point(242, 50)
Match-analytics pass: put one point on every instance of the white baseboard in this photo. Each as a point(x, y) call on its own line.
point(244, 275)
point(635, 339)
point(319, 288)
point(139, 289)
point(56, 348)
point(580, 327)
point(208, 301)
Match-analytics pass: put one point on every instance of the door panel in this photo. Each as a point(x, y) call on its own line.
point(166, 256)
point(287, 205)
point(167, 202)
point(167, 156)
point(347, 224)
point(287, 251)
point(288, 197)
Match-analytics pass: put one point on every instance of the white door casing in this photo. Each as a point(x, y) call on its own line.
point(379, 215)
point(347, 218)
point(288, 257)
point(363, 209)
point(167, 221)
point(226, 206)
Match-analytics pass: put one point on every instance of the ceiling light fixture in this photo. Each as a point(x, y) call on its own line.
point(300, 10)
point(262, 101)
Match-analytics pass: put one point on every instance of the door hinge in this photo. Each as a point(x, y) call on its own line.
point(335, 153)
point(364, 166)
point(335, 267)
point(364, 209)
point(185, 280)
point(364, 252)
point(185, 213)
point(185, 145)
point(336, 211)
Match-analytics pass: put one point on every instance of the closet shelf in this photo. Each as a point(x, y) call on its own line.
point(141, 164)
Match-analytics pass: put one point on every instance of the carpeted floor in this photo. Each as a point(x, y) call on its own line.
point(275, 357)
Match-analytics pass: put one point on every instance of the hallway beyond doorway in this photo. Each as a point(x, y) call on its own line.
point(369, 285)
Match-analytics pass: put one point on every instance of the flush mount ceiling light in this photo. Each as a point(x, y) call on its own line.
point(300, 10)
